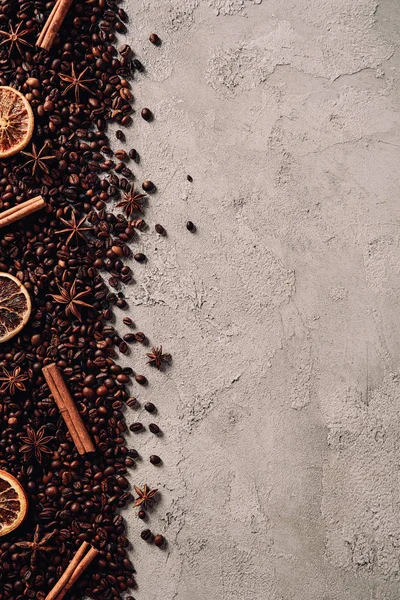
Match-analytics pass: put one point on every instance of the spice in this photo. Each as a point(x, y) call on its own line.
point(20, 211)
point(72, 299)
point(13, 381)
point(53, 24)
point(132, 202)
point(15, 38)
point(157, 358)
point(68, 410)
point(145, 496)
point(82, 559)
point(35, 443)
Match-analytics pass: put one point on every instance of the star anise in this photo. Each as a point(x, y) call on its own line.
point(72, 299)
point(76, 82)
point(35, 443)
point(37, 545)
point(13, 381)
point(38, 159)
point(157, 358)
point(132, 201)
point(146, 496)
point(74, 229)
point(15, 38)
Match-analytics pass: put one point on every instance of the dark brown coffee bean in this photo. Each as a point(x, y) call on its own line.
point(146, 114)
point(148, 185)
point(150, 407)
point(159, 540)
point(155, 460)
point(160, 229)
point(154, 428)
point(142, 514)
point(140, 337)
point(139, 257)
point(141, 379)
point(154, 39)
point(136, 427)
point(146, 534)
point(189, 178)
point(191, 226)
point(128, 321)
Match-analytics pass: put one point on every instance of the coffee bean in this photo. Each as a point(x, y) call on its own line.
point(141, 379)
point(191, 226)
point(160, 229)
point(146, 535)
point(189, 178)
point(148, 185)
point(159, 540)
point(142, 514)
point(155, 460)
point(128, 321)
point(139, 257)
point(136, 427)
point(149, 406)
point(140, 337)
point(146, 114)
point(154, 39)
point(154, 428)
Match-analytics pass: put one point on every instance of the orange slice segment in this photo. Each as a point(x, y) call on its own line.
point(16, 121)
point(15, 306)
point(13, 503)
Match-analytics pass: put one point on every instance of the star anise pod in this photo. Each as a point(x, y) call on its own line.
point(38, 159)
point(13, 381)
point(35, 443)
point(37, 545)
point(15, 38)
point(74, 229)
point(132, 202)
point(72, 299)
point(76, 82)
point(157, 358)
point(146, 496)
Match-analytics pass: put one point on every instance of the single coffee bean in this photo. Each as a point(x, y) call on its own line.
point(128, 321)
point(155, 460)
point(146, 114)
point(148, 185)
point(154, 428)
point(189, 178)
point(136, 427)
point(139, 257)
point(141, 379)
point(154, 39)
point(146, 534)
point(140, 337)
point(191, 226)
point(160, 229)
point(142, 514)
point(159, 540)
point(150, 407)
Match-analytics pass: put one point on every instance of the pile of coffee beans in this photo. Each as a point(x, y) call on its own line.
point(75, 239)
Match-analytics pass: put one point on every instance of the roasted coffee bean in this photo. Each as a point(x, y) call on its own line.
point(154, 39)
point(141, 379)
point(136, 427)
point(148, 185)
point(191, 226)
point(146, 114)
point(155, 460)
point(154, 428)
point(189, 178)
point(160, 229)
point(146, 535)
point(140, 257)
point(159, 540)
point(150, 407)
point(140, 337)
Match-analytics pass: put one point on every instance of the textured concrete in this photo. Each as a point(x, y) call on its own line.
point(281, 409)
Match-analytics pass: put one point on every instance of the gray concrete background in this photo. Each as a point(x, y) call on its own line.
point(281, 409)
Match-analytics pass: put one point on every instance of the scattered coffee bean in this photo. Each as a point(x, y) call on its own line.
point(154, 428)
point(189, 178)
point(150, 407)
point(154, 39)
point(142, 514)
point(191, 226)
point(146, 535)
point(146, 114)
point(160, 229)
point(155, 460)
point(141, 379)
point(141, 338)
point(128, 321)
point(159, 540)
point(136, 427)
point(139, 257)
point(148, 185)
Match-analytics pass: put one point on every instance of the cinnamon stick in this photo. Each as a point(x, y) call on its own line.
point(81, 560)
point(53, 24)
point(21, 210)
point(68, 409)
point(84, 563)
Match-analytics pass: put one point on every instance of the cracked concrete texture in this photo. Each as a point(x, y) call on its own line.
point(280, 411)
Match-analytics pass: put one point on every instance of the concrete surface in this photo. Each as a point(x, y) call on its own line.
point(280, 412)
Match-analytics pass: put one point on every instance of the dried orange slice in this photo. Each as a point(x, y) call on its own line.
point(15, 306)
point(16, 121)
point(13, 503)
